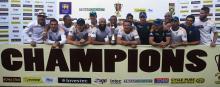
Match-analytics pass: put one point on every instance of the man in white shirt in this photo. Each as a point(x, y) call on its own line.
point(56, 35)
point(100, 36)
point(128, 36)
point(206, 27)
point(66, 24)
point(33, 33)
point(178, 34)
point(79, 34)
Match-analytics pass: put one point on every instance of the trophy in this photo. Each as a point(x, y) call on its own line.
point(217, 60)
point(118, 7)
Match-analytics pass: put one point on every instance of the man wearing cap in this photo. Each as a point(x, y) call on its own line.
point(100, 36)
point(66, 24)
point(178, 34)
point(34, 32)
point(92, 22)
point(206, 28)
point(159, 37)
point(128, 36)
point(143, 28)
point(56, 35)
point(193, 34)
point(79, 34)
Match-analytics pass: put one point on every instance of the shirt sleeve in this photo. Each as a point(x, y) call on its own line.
point(214, 27)
point(63, 37)
point(151, 34)
point(93, 33)
point(71, 31)
point(184, 36)
point(168, 33)
point(49, 41)
point(135, 33)
point(26, 31)
point(120, 33)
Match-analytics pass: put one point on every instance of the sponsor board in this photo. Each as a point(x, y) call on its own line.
point(74, 80)
point(145, 81)
point(32, 80)
point(161, 80)
point(12, 79)
point(217, 76)
point(91, 9)
point(187, 80)
point(100, 81)
point(115, 81)
point(49, 80)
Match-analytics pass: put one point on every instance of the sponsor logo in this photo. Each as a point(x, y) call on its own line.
point(3, 9)
point(100, 81)
point(50, 6)
point(15, 40)
point(75, 80)
point(39, 6)
point(187, 80)
point(27, 14)
point(15, 18)
point(15, 1)
point(15, 5)
point(91, 9)
point(115, 81)
point(3, 14)
point(27, 1)
point(49, 10)
point(12, 79)
point(32, 79)
point(3, 18)
point(27, 18)
point(15, 9)
point(139, 9)
point(138, 81)
point(15, 31)
point(50, 14)
point(184, 6)
point(38, 2)
point(3, 1)
point(161, 80)
point(3, 5)
point(49, 80)
point(217, 75)
point(15, 22)
point(15, 14)
point(37, 10)
point(50, 2)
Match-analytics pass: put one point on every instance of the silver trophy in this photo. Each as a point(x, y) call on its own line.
point(118, 7)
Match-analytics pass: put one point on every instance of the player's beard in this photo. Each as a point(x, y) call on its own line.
point(203, 18)
point(102, 27)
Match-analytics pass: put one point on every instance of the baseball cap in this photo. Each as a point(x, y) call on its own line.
point(158, 22)
point(41, 13)
point(93, 13)
point(175, 18)
point(142, 15)
point(80, 21)
point(129, 14)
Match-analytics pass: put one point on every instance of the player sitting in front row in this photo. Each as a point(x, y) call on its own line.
point(55, 36)
point(128, 36)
